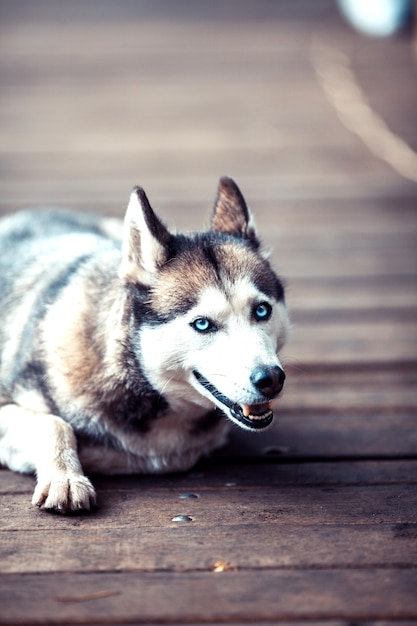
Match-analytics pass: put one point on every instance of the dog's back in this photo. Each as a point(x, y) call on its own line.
point(40, 243)
point(41, 252)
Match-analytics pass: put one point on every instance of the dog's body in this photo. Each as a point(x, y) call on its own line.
point(123, 355)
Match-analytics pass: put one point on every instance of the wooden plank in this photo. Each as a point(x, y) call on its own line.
point(363, 435)
point(266, 55)
point(28, 33)
point(193, 548)
point(344, 341)
point(273, 472)
point(201, 141)
point(182, 10)
point(344, 296)
point(352, 388)
point(228, 507)
point(255, 596)
point(93, 188)
point(269, 470)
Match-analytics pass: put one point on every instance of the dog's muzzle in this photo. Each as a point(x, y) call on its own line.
point(268, 381)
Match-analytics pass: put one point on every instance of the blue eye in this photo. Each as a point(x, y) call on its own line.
point(263, 311)
point(203, 325)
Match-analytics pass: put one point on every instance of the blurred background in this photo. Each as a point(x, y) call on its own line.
point(313, 118)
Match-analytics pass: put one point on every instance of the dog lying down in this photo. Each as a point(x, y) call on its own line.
point(125, 353)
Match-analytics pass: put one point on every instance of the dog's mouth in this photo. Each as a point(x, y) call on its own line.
point(252, 417)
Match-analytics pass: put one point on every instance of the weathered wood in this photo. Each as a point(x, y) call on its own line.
point(229, 507)
point(268, 470)
point(189, 547)
point(348, 389)
point(250, 596)
point(349, 342)
point(349, 295)
point(334, 435)
point(183, 105)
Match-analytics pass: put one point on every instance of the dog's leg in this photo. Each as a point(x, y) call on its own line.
point(45, 444)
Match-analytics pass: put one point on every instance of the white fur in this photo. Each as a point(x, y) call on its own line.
point(138, 264)
point(45, 445)
point(226, 358)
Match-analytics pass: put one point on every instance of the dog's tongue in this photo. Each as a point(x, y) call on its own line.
point(257, 411)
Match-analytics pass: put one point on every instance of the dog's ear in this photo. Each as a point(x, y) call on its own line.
point(231, 214)
point(145, 241)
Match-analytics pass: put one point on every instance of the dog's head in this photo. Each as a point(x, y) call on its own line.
point(208, 311)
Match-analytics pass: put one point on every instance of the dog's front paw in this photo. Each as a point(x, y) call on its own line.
point(65, 493)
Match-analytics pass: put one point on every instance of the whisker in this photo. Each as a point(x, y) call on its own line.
point(294, 365)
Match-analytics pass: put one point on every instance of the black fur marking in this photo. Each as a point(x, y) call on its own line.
point(137, 411)
point(207, 423)
point(270, 285)
point(45, 299)
point(133, 403)
point(207, 257)
point(263, 275)
point(210, 255)
point(134, 412)
point(33, 375)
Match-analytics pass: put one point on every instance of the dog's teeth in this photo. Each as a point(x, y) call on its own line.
point(253, 412)
point(259, 417)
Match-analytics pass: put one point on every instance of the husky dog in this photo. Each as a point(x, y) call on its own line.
point(125, 354)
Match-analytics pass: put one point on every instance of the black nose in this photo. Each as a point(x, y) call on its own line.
point(268, 380)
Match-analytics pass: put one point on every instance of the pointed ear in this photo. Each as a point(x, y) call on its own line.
point(231, 214)
point(145, 241)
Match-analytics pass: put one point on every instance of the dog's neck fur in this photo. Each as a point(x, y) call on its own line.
point(106, 319)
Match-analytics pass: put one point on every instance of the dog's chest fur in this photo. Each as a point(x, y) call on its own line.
point(173, 442)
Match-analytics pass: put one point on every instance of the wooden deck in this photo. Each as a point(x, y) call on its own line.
point(316, 519)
